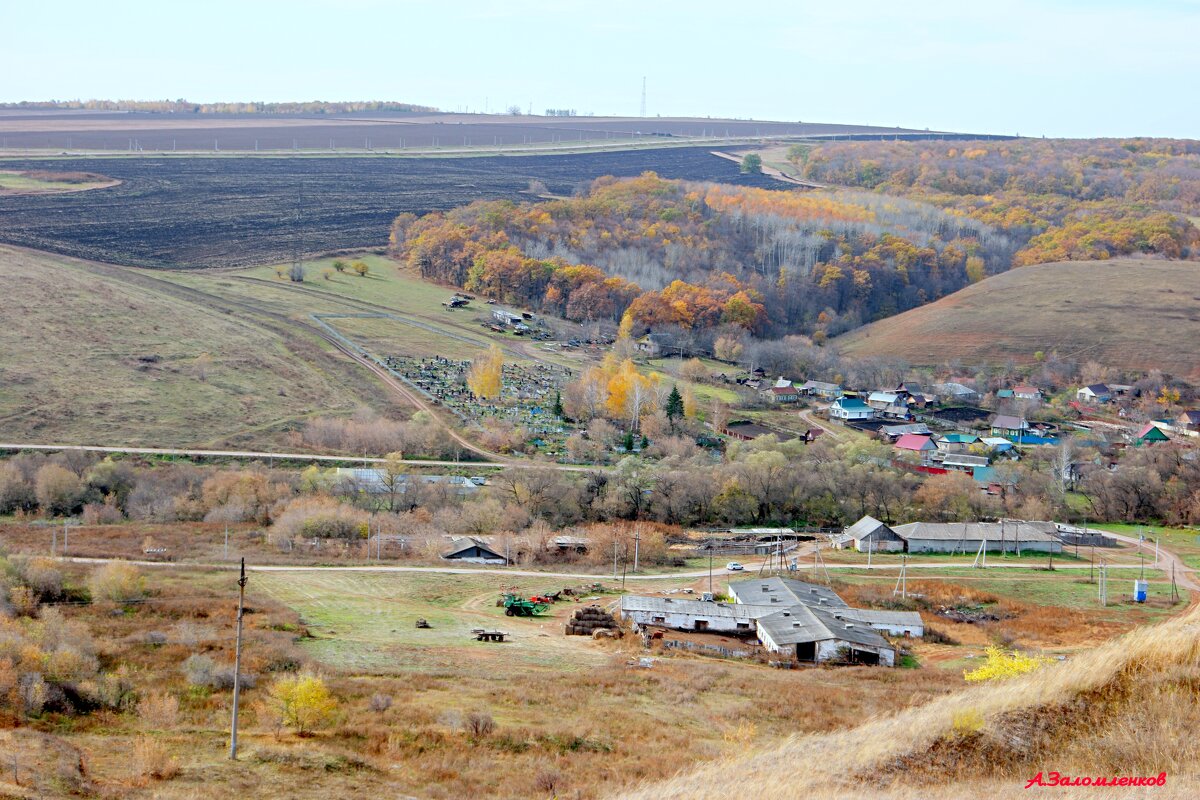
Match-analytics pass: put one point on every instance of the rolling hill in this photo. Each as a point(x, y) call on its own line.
point(1132, 314)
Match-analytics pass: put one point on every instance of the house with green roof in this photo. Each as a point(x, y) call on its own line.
point(1150, 434)
point(955, 442)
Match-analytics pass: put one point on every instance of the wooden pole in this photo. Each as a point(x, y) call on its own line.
point(237, 664)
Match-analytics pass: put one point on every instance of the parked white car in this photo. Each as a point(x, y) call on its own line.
point(734, 566)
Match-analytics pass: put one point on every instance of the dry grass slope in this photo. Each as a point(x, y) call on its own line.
point(1128, 313)
point(90, 355)
point(1118, 710)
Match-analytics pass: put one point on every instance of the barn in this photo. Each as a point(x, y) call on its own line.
point(812, 635)
point(871, 535)
point(968, 537)
point(692, 615)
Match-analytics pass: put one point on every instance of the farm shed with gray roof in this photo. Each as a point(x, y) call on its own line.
point(783, 592)
point(816, 635)
point(967, 537)
point(692, 615)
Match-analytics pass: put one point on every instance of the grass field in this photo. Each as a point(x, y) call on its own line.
point(89, 357)
point(1124, 313)
point(38, 182)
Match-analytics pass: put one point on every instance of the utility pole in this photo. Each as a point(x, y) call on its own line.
point(637, 540)
point(237, 663)
point(66, 529)
point(614, 560)
point(710, 566)
point(643, 96)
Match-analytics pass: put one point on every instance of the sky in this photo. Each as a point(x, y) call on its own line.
point(1029, 67)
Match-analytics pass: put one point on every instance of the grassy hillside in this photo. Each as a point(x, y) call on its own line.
point(1126, 313)
point(91, 353)
point(1116, 711)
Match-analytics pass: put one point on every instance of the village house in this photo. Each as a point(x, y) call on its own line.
point(1009, 426)
point(473, 551)
point(850, 408)
point(963, 462)
point(781, 392)
point(1095, 393)
point(1189, 421)
point(956, 393)
point(915, 443)
point(871, 535)
point(1150, 434)
point(828, 391)
point(968, 537)
point(1026, 392)
point(955, 442)
point(894, 432)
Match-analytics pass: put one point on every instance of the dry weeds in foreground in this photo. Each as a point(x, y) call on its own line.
point(1126, 708)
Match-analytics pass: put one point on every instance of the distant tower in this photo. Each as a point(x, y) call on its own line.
point(643, 96)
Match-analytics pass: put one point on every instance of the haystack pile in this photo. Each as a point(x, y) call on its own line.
point(588, 619)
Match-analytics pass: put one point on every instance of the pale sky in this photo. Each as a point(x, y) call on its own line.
point(1034, 67)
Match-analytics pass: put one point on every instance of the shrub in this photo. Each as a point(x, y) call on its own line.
point(16, 493)
point(380, 703)
point(152, 761)
point(101, 514)
point(479, 725)
point(303, 702)
point(198, 670)
point(966, 722)
point(1003, 664)
point(117, 581)
point(158, 711)
point(42, 577)
point(322, 518)
point(58, 490)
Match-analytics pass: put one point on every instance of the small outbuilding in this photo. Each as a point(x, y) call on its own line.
point(473, 551)
point(871, 535)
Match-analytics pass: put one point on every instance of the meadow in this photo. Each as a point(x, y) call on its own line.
point(1124, 313)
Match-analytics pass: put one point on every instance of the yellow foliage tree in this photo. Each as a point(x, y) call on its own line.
point(303, 702)
point(485, 377)
point(625, 330)
point(689, 402)
point(629, 394)
point(975, 270)
point(1003, 664)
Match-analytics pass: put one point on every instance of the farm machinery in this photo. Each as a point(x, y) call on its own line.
point(516, 606)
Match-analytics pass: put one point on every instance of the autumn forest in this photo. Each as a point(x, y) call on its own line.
point(919, 220)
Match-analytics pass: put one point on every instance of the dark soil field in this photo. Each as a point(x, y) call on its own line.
point(221, 212)
point(378, 131)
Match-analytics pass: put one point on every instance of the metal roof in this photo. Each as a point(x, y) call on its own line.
point(873, 616)
point(803, 624)
point(865, 526)
point(900, 430)
point(1016, 531)
point(1009, 423)
point(696, 608)
point(786, 591)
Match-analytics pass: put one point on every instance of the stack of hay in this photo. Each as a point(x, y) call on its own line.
point(589, 619)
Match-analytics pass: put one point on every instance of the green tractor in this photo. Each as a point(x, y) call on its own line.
point(515, 606)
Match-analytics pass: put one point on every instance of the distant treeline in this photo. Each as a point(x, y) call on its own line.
point(185, 107)
point(1063, 199)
